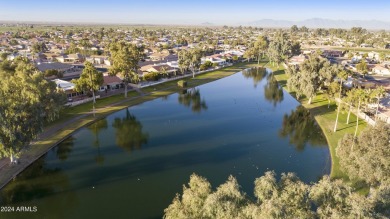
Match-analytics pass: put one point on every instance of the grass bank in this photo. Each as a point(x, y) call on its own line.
point(72, 119)
point(325, 118)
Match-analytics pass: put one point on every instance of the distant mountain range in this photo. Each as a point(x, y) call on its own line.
point(323, 23)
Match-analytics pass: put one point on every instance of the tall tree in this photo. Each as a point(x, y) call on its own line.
point(362, 67)
point(361, 96)
point(37, 48)
point(366, 157)
point(260, 47)
point(183, 60)
point(379, 93)
point(279, 48)
point(311, 77)
point(342, 76)
point(90, 80)
point(27, 101)
point(195, 60)
point(125, 58)
point(296, 48)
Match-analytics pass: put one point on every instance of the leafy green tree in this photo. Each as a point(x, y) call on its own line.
point(53, 72)
point(279, 48)
point(27, 101)
point(38, 47)
point(311, 77)
point(367, 156)
point(296, 49)
point(90, 80)
point(250, 53)
point(125, 58)
point(287, 198)
point(332, 91)
point(193, 61)
point(86, 44)
point(3, 56)
point(129, 134)
point(294, 29)
point(183, 60)
point(362, 67)
point(334, 199)
point(260, 47)
point(191, 203)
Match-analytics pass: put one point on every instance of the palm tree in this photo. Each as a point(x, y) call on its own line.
point(380, 92)
point(361, 95)
point(342, 75)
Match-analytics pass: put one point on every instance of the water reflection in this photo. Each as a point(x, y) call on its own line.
point(191, 98)
point(65, 148)
point(301, 129)
point(36, 182)
point(272, 91)
point(129, 135)
point(257, 74)
point(96, 128)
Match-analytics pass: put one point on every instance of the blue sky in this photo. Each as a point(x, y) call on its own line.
point(190, 12)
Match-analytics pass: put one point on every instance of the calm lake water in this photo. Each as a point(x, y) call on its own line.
point(131, 164)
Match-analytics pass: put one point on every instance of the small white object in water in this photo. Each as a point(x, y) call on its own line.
point(138, 179)
point(93, 187)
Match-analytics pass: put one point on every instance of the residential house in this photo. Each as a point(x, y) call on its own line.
point(161, 68)
point(12, 56)
point(374, 55)
point(111, 83)
point(158, 56)
point(217, 58)
point(71, 58)
point(332, 53)
point(173, 64)
point(68, 88)
point(98, 60)
point(297, 60)
point(381, 70)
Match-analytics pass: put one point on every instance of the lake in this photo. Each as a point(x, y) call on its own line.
point(132, 163)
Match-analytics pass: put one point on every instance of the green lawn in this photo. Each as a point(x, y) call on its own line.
point(326, 118)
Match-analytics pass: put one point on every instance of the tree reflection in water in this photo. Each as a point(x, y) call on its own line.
point(272, 91)
point(301, 128)
point(257, 74)
point(65, 148)
point(191, 98)
point(36, 182)
point(129, 135)
point(96, 128)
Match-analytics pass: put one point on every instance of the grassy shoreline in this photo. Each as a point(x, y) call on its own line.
point(325, 117)
point(75, 118)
